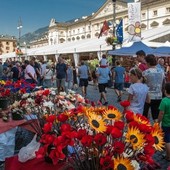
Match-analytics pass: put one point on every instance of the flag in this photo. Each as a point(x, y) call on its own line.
point(104, 28)
point(119, 32)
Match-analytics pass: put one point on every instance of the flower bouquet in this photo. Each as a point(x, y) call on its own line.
point(99, 138)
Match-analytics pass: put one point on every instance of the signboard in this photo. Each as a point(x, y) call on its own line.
point(134, 27)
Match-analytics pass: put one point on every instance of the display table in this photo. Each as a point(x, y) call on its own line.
point(5, 126)
point(12, 163)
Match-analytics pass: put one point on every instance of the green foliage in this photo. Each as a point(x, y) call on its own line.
point(92, 63)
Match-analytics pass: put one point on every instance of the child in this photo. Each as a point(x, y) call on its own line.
point(103, 61)
point(138, 91)
point(164, 117)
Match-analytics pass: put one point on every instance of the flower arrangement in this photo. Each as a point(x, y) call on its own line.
point(111, 40)
point(100, 138)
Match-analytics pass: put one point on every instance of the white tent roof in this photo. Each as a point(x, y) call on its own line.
point(92, 45)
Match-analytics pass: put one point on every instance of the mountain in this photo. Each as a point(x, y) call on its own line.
point(41, 32)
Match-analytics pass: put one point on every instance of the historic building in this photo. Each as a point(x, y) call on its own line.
point(153, 14)
point(7, 44)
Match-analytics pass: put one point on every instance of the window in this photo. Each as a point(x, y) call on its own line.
point(78, 31)
point(155, 13)
point(7, 43)
point(7, 48)
point(73, 31)
point(143, 15)
point(168, 10)
point(83, 29)
point(89, 27)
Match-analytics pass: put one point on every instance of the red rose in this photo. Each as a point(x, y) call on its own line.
point(149, 150)
point(65, 127)
point(106, 162)
point(109, 129)
point(100, 139)
point(80, 133)
point(62, 117)
point(51, 118)
point(149, 139)
point(125, 103)
point(87, 140)
point(116, 133)
point(129, 116)
point(46, 92)
point(47, 127)
point(119, 125)
point(118, 147)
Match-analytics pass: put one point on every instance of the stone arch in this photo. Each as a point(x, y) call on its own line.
point(82, 37)
point(77, 37)
point(143, 25)
point(96, 34)
point(62, 40)
point(88, 36)
point(73, 38)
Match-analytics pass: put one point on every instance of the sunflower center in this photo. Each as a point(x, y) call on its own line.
point(156, 140)
point(111, 115)
point(95, 123)
point(134, 138)
point(121, 167)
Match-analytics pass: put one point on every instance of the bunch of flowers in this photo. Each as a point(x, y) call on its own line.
point(112, 40)
point(100, 138)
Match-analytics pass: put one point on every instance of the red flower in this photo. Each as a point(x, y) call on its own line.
point(150, 139)
point(41, 152)
point(80, 133)
point(62, 117)
point(145, 128)
point(118, 147)
point(23, 90)
point(129, 116)
point(116, 133)
point(46, 92)
point(87, 140)
point(47, 138)
point(100, 139)
point(125, 103)
point(149, 150)
point(47, 127)
point(109, 129)
point(119, 125)
point(51, 118)
point(65, 127)
point(106, 162)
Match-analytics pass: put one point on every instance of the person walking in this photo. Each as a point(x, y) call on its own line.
point(48, 77)
point(69, 78)
point(154, 79)
point(164, 119)
point(61, 74)
point(83, 73)
point(118, 76)
point(103, 75)
point(138, 91)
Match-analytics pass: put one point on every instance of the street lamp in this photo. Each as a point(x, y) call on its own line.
point(114, 31)
point(19, 27)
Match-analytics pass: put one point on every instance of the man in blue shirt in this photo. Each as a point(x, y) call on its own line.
point(118, 76)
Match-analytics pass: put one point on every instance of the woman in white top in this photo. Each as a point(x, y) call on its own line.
point(138, 91)
point(48, 77)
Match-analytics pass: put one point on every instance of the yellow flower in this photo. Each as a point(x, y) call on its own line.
point(157, 133)
point(96, 122)
point(121, 163)
point(135, 138)
point(112, 114)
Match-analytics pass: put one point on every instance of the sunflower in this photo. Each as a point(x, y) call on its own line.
point(96, 122)
point(121, 163)
point(135, 138)
point(112, 114)
point(159, 139)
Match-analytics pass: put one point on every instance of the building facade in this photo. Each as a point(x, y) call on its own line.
point(153, 14)
point(8, 44)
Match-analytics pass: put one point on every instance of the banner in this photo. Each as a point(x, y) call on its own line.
point(119, 32)
point(134, 15)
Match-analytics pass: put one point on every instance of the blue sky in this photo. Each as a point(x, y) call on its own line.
point(38, 13)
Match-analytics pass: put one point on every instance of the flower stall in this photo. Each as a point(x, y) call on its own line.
point(83, 135)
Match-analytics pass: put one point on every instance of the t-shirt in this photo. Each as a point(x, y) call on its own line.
point(139, 92)
point(154, 79)
point(103, 75)
point(83, 72)
point(165, 107)
point(119, 74)
point(143, 66)
point(61, 70)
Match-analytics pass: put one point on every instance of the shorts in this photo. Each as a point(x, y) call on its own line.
point(83, 82)
point(119, 86)
point(102, 87)
point(166, 131)
point(60, 82)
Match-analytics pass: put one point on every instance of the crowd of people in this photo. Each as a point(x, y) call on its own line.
point(147, 82)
